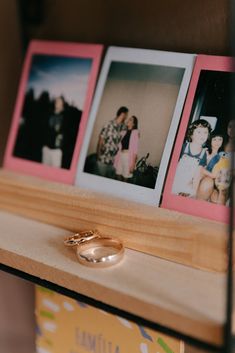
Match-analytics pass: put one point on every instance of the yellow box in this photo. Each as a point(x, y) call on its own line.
point(65, 325)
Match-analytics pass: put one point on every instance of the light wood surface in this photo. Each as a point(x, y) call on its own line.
point(181, 238)
point(182, 298)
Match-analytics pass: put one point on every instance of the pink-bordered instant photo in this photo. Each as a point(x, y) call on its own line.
point(199, 176)
point(52, 107)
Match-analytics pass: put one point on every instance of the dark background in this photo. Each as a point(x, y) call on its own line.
point(200, 26)
point(216, 85)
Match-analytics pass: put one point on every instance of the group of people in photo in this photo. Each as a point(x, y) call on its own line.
point(117, 152)
point(48, 132)
point(204, 171)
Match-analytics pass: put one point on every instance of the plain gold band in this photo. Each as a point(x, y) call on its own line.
point(103, 261)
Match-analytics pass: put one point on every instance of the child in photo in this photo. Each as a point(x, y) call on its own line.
point(193, 159)
point(220, 192)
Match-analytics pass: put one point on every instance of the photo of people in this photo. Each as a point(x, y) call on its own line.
point(52, 109)
point(203, 171)
point(132, 122)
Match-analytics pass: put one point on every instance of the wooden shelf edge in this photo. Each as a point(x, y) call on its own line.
point(167, 234)
point(184, 299)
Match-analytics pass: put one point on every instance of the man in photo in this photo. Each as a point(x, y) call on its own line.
point(108, 143)
point(52, 150)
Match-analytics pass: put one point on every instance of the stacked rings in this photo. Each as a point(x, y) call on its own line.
point(93, 250)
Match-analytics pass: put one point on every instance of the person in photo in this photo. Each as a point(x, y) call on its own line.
point(222, 169)
point(213, 155)
point(193, 159)
point(220, 193)
point(215, 146)
point(229, 147)
point(52, 149)
point(126, 157)
point(108, 143)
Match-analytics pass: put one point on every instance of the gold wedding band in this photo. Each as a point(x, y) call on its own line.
point(93, 250)
point(81, 237)
point(101, 252)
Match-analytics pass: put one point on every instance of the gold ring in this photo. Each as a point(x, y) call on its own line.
point(81, 237)
point(100, 252)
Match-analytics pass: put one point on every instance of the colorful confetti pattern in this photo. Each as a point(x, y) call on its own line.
point(65, 325)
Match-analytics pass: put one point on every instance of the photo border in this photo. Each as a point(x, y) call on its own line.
point(73, 50)
point(194, 207)
point(135, 56)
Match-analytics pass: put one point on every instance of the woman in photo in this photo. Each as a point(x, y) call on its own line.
point(126, 157)
point(222, 169)
point(214, 187)
point(213, 156)
point(193, 159)
point(215, 146)
point(229, 147)
point(220, 193)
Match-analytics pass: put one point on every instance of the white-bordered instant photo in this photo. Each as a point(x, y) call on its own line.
point(133, 122)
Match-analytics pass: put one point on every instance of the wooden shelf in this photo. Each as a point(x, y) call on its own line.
point(184, 299)
point(188, 240)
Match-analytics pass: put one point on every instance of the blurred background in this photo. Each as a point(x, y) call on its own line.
point(186, 26)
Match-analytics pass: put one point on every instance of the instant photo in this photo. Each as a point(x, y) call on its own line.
point(132, 116)
point(203, 169)
point(123, 143)
point(52, 108)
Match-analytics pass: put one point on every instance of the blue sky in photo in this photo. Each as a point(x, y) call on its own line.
point(60, 75)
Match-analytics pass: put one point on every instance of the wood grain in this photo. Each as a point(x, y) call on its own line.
point(187, 300)
point(170, 235)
